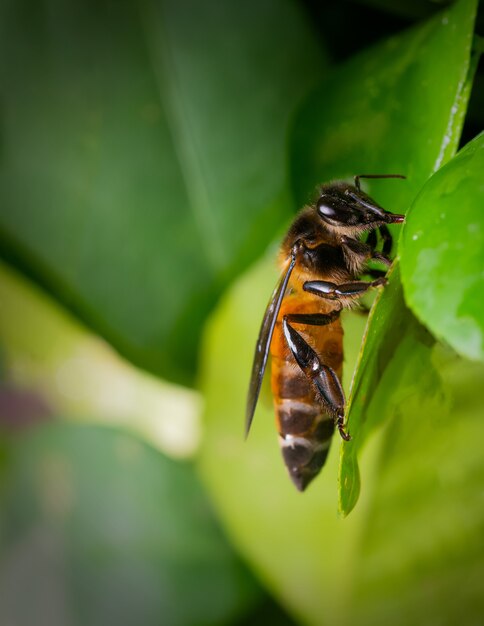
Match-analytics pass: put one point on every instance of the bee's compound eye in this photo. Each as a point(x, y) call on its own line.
point(335, 211)
point(325, 209)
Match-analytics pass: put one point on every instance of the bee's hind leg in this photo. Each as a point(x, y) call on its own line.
point(322, 376)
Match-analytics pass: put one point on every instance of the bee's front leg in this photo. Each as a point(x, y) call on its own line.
point(387, 239)
point(386, 236)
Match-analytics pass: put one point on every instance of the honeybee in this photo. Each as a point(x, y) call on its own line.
point(322, 258)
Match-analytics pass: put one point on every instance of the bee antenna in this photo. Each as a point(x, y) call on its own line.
point(357, 178)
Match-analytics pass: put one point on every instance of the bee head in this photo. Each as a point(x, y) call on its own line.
point(344, 207)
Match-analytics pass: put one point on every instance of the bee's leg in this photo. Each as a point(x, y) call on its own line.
point(363, 250)
point(366, 251)
point(313, 319)
point(387, 239)
point(382, 258)
point(322, 377)
point(332, 291)
point(372, 240)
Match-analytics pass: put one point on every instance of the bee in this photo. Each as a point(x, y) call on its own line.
point(322, 259)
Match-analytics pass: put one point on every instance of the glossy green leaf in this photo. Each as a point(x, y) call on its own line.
point(97, 528)
point(143, 156)
point(443, 252)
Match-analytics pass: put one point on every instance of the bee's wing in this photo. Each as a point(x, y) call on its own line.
point(264, 343)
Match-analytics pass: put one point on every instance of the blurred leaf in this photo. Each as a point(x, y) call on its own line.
point(79, 376)
point(98, 528)
point(443, 252)
point(411, 9)
point(136, 141)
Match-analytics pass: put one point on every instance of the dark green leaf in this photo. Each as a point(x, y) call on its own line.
point(98, 528)
point(143, 156)
point(443, 252)
point(411, 9)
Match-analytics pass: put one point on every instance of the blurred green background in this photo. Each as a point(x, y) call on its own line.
point(152, 155)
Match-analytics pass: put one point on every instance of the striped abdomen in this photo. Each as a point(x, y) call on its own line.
point(305, 427)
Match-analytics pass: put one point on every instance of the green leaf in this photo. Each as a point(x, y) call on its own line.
point(442, 252)
point(98, 528)
point(136, 141)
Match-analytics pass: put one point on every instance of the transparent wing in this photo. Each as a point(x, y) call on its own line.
point(263, 344)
